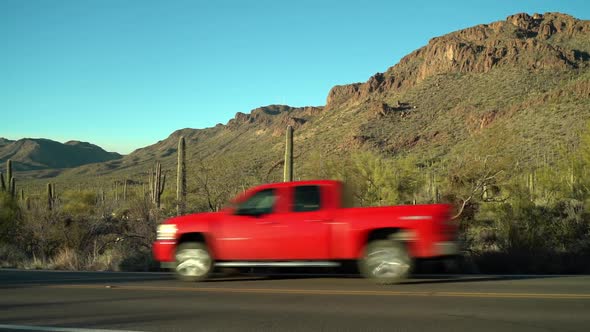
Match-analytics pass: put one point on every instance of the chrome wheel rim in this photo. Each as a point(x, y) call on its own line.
point(193, 262)
point(387, 263)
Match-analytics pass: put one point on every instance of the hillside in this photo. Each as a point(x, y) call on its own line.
point(46, 155)
point(518, 87)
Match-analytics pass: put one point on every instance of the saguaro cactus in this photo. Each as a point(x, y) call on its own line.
point(13, 187)
point(157, 183)
point(288, 171)
point(2, 183)
point(102, 196)
point(50, 196)
point(531, 184)
point(181, 178)
point(572, 178)
point(125, 190)
point(432, 186)
point(9, 175)
point(151, 184)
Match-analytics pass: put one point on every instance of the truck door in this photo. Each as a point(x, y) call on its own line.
point(304, 232)
point(248, 233)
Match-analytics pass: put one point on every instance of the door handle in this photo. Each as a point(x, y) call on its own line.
point(266, 223)
point(316, 220)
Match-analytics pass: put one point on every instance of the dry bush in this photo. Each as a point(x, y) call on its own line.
point(33, 264)
point(109, 260)
point(11, 256)
point(65, 259)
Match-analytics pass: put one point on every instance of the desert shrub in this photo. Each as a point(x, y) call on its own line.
point(375, 180)
point(109, 260)
point(79, 203)
point(33, 263)
point(139, 260)
point(482, 238)
point(41, 234)
point(81, 232)
point(562, 227)
point(11, 255)
point(9, 218)
point(524, 237)
point(66, 259)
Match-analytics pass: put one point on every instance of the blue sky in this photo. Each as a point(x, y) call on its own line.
point(124, 74)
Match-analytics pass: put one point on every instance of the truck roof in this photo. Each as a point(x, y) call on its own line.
point(298, 183)
point(287, 184)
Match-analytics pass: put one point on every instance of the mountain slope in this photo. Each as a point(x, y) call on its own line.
point(517, 87)
point(40, 154)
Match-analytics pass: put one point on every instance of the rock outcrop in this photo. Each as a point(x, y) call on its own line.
point(522, 40)
point(272, 116)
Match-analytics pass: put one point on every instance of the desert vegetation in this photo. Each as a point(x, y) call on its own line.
point(513, 219)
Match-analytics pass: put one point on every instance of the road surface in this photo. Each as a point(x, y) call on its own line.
point(77, 301)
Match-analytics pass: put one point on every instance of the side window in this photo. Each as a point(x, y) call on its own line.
point(260, 203)
point(307, 198)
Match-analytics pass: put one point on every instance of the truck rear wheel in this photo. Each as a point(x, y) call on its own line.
point(386, 262)
point(193, 261)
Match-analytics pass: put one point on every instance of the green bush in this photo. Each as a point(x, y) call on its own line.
point(9, 218)
point(79, 203)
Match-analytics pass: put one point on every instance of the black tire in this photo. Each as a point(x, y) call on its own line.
point(193, 261)
point(386, 262)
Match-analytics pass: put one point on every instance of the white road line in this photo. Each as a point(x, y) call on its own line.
point(81, 272)
point(54, 329)
point(36, 281)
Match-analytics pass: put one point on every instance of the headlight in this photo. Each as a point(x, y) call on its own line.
point(167, 232)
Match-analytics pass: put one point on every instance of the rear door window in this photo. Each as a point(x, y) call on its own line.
point(307, 198)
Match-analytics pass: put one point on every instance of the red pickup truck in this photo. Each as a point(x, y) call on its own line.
point(307, 224)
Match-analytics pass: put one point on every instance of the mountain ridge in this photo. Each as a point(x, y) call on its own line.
point(30, 154)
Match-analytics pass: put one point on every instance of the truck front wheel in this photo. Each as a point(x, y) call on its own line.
point(386, 262)
point(193, 261)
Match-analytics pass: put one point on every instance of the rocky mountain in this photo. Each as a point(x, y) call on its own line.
point(540, 42)
point(41, 154)
point(519, 87)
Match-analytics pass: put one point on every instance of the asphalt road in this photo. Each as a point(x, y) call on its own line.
point(74, 301)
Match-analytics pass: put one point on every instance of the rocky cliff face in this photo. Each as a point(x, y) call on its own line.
point(521, 40)
point(274, 117)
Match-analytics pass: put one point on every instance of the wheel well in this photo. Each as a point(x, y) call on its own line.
point(381, 234)
point(192, 237)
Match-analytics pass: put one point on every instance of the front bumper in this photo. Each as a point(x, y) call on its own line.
point(446, 248)
point(163, 252)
